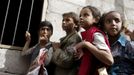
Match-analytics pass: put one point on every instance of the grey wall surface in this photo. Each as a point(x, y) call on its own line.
point(56, 8)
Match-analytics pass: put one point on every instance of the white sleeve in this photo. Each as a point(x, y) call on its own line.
point(99, 41)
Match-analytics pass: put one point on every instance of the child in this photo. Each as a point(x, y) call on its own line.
point(42, 52)
point(122, 49)
point(64, 53)
point(95, 44)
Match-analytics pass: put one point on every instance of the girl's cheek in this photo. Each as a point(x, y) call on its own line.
point(86, 19)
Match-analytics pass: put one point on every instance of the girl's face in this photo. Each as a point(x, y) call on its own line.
point(113, 23)
point(68, 24)
point(86, 18)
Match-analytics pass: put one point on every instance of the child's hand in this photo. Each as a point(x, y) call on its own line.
point(28, 36)
point(80, 45)
point(43, 39)
point(55, 45)
point(78, 54)
point(130, 34)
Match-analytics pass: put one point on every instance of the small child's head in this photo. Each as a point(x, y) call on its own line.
point(89, 16)
point(70, 22)
point(112, 22)
point(45, 29)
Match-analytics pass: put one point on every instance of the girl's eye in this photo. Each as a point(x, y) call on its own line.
point(86, 14)
point(117, 20)
point(108, 21)
point(80, 16)
point(67, 20)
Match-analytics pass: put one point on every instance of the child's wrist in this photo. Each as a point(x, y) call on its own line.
point(84, 43)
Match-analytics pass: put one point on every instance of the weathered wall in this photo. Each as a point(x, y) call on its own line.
point(57, 7)
point(12, 63)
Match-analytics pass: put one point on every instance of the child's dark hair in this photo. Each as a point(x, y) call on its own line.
point(75, 18)
point(95, 12)
point(102, 19)
point(46, 23)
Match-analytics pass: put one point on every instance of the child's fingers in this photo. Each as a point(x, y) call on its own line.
point(28, 36)
point(78, 54)
point(128, 32)
point(132, 35)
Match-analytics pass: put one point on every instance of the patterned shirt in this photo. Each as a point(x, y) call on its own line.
point(35, 52)
point(123, 53)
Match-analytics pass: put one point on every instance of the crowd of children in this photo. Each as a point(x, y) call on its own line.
point(102, 45)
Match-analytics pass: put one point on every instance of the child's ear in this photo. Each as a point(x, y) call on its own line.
point(97, 19)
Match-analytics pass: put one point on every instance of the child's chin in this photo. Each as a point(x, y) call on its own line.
point(113, 34)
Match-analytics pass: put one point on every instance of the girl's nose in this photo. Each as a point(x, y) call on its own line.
point(63, 22)
point(81, 18)
point(113, 22)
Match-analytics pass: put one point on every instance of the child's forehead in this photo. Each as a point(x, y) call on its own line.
point(85, 10)
point(68, 17)
point(113, 15)
point(45, 27)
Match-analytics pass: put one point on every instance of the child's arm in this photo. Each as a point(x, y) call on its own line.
point(103, 55)
point(65, 57)
point(26, 49)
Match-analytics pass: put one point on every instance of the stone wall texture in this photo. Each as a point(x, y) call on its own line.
point(57, 7)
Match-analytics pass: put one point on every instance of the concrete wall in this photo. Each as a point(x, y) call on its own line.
point(56, 8)
point(12, 63)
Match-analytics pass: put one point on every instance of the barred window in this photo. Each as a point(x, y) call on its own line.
point(17, 17)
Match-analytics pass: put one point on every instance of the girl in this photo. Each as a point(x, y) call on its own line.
point(64, 54)
point(95, 44)
point(122, 49)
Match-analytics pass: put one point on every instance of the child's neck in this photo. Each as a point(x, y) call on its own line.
point(113, 39)
point(69, 32)
point(42, 44)
point(87, 28)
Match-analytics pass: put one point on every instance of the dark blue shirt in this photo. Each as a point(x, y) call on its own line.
point(123, 53)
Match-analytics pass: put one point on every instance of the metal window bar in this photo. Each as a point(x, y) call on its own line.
point(30, 15)
point(18, 19)
point(17, 22)
point(5, 21)
point(18, 15)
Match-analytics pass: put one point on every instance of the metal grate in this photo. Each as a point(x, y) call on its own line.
point(18, 16)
